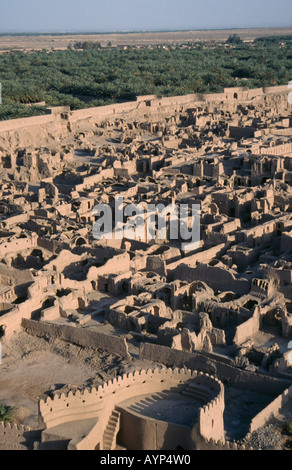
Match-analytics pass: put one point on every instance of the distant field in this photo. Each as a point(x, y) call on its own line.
point(40, 42)
point(93, 76)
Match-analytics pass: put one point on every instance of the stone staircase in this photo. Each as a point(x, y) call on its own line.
point(111, 431)
point(199, 392)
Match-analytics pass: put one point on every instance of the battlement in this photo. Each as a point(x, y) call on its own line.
point(16, 436)
point(101, 401)
point(14, 426)
point(213, 444)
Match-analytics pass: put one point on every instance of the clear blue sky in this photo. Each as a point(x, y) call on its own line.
point(121, 15)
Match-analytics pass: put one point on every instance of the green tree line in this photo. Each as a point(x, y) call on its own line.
point(95, 77)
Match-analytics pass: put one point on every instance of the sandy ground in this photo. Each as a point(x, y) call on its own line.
point(33, 368)
point(138, 39)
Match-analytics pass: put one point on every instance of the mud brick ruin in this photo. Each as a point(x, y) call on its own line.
point(215, 322)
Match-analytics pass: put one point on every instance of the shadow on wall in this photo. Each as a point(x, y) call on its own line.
point(2, 330)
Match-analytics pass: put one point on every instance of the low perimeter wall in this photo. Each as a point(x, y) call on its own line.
point(230, 375)
point(77, 335)
point(271, 410)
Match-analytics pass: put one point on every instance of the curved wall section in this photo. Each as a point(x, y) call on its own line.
point(100, 403)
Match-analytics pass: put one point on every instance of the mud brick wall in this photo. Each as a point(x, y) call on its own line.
point(80, 336)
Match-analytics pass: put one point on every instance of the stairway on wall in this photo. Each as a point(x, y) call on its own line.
point(199, 392)
point(111, 431)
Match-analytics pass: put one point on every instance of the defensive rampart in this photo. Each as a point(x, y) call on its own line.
point(60, 124)
point(228, 374)
point(80, 336)
point(100, 403)
point(271, 410)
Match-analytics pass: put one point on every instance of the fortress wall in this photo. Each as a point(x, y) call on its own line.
point(124, 107)
point(236, 89)
point(214, 97)
point(55, 411)
point(29, 128)
point(16, 436)
point(80, 336)
point(255, 92)
point(247, 329)
point(144, 436)
point(164, 104)
point(15, 124)
point(147, 97)
point(287, 131)
point(227, 374)
point(140, 432)
point(213, 444)
point(101, 402)
point(276, 89)
point(211, 421)
point(102, 112)
point(176, 100)
point(272, 409)
point(276, 150)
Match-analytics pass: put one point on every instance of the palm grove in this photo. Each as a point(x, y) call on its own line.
point(85, 76)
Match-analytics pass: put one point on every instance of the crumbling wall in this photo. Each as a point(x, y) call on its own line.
point(156, 263)
point(18, 244)
point(11, 321)
point(77, 335)
point(115, 265)
point(28, 130)
point(272, 409)
point(247, 329)
point(202, 256)
point(215, 276)
point(224, 371)
point(54, 246)
point(16, 437)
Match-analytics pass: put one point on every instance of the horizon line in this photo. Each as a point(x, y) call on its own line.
point(138, 31)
